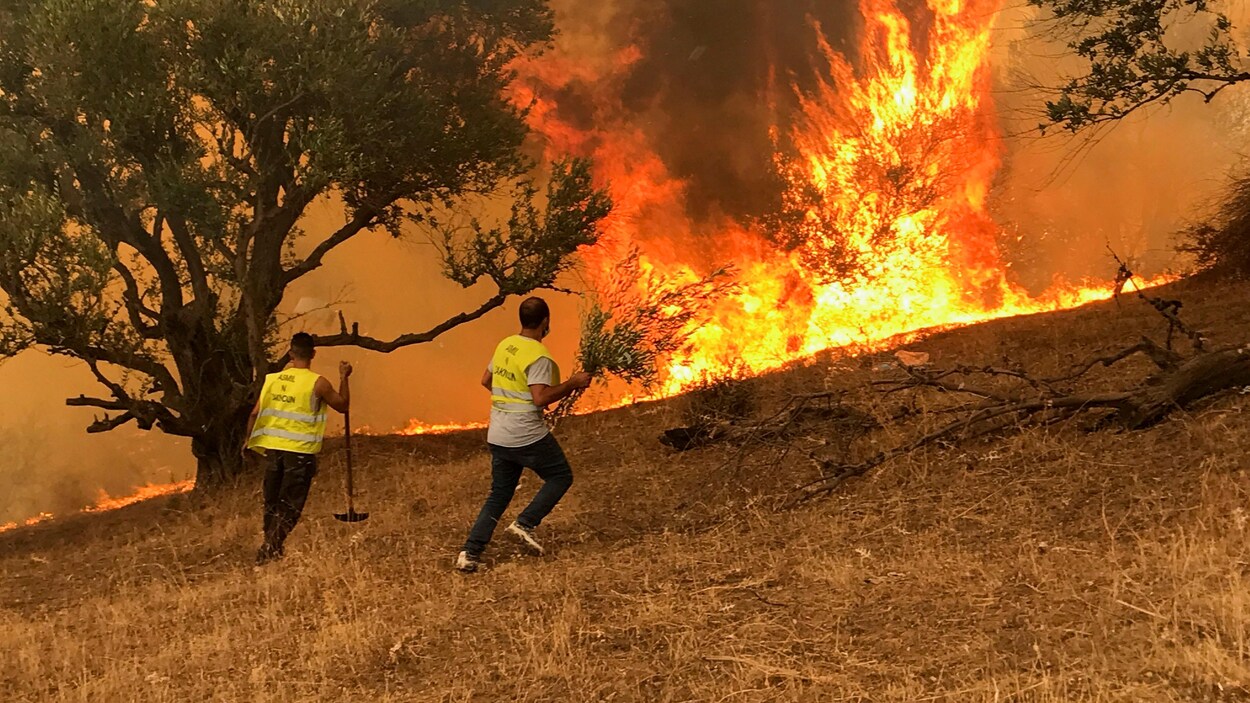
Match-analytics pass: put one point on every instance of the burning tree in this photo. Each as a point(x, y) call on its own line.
point(886, 157)
point(885, 168)
point(157, 161)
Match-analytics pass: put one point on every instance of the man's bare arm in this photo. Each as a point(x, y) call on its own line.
point(545, 395)
point(487, 380)
point(340, 400)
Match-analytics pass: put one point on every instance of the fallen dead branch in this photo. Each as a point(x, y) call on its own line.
point(1002, 399)
point(1137, 408)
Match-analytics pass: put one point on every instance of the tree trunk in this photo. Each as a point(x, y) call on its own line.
point(219, 450)
point(218, 391)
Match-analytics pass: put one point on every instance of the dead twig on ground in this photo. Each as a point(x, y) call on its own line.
point(780, 425)
point(1135, 408)
point(1009, 398)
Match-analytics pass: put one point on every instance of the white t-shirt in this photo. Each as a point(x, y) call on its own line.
point(521, 429)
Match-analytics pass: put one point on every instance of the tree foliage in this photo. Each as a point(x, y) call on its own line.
point(157, 161)
point(1222, 242)
point(638, 319)
point(1141, 52)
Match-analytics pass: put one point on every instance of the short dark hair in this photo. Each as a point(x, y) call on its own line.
point(533, 311)
point(302, 346)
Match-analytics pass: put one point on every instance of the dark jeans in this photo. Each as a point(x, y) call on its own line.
point(506, 464)
point(287, 480)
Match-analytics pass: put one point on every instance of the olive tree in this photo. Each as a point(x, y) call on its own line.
point(157, 160)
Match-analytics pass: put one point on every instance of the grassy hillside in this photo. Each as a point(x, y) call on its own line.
point(1051, 565)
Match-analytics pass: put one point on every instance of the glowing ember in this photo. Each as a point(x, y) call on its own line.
point(887, 166)
point(107, 502)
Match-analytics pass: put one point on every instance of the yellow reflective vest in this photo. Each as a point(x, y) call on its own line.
point(510, 389)
point(291, 417)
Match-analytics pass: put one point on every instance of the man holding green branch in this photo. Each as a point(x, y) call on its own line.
point(523, 379)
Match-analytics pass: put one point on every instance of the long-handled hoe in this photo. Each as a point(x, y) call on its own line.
point(351, 515)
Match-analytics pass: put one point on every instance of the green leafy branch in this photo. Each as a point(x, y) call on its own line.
point(637, 321)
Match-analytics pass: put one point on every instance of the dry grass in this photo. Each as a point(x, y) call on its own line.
point(1053, 565)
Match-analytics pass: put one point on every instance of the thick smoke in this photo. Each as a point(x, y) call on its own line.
point(714, 77)
point(717, 77)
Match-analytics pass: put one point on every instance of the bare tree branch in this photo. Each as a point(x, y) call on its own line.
point(83, 401)
point(145, 412)
point(130, 360)
point(1165, 359)
point(364, 219)
point(107, 424)
point(115, 388)
point(225, 138)
point(976, 425)
point(353, 337)
point(133, 300)
point(192, 258)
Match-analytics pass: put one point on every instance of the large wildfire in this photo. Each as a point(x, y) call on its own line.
point(883, 227)
point(884, 162)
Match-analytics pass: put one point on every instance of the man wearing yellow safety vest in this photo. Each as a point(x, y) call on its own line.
point(522, 379)
point(287, 426)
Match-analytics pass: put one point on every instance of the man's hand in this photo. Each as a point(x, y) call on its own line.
point(581, 379)
point(345, 369)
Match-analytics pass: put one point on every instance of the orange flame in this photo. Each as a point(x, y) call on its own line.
point(890, 164)
point(417, 427)
point(147, 492)
point(107, 502)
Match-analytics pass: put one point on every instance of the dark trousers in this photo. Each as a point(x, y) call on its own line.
point(288, 477)
point(546, 458)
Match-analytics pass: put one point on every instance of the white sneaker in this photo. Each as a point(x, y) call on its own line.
point(467, 563)
point(526, 536)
